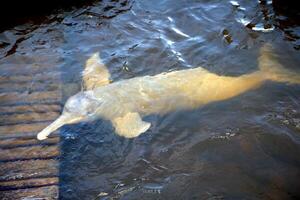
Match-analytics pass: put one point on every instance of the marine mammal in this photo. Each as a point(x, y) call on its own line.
point(125, 102)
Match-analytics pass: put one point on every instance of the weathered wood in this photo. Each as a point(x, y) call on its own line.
point(39, 193)
point(28, 79)
point(37, 108)
point(28, 169)
point(31, 135)
point(16, 97)
point(27, 118)
point(33, 87)
point(30, 99)
point(28, 183)
point(14, 142)
point(22, 128)
point(27, 69)
point(26, 153)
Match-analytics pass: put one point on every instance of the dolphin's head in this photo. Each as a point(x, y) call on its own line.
point(78, 108)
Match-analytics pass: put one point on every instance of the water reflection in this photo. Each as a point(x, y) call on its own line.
point(186, 154)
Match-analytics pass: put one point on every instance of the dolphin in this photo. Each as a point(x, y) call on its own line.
point(125, 102)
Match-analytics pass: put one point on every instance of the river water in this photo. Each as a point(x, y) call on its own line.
point(247, 147)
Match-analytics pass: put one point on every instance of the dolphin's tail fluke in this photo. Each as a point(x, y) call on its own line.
point(273, 70)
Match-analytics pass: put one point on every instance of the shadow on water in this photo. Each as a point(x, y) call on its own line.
point(201, 154)
point(246, 147)
point(243, 148)
point(14, 13)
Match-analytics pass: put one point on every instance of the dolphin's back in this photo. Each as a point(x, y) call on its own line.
point(160, 93)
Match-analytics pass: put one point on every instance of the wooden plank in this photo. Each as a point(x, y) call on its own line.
point(27, 153)
point(25, 69)
point(22, 128)
point(16, 97)
point(28, 183)
point(41, 77)
point(31, 135)
point(10, 143)
point(38, 108)
point(30, 96)
point(28, 169)
point(27, 118)
point(41, 193)
point(29, 86)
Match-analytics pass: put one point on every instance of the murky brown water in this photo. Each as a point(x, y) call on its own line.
point(244, 148)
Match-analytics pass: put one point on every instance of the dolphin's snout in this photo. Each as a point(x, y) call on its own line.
point(59, 122)
point(42, 135)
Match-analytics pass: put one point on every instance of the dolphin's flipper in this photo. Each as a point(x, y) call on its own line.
point(95, 73)
point(130, 125)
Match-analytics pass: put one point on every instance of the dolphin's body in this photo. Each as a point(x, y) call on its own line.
point(124, 103)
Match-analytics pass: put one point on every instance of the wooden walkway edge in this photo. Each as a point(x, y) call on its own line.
point(28, 167)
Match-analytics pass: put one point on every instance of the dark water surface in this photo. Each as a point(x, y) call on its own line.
point(247, 147)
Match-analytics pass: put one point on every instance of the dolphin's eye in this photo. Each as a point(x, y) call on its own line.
point(66, 109)
point(90, 112)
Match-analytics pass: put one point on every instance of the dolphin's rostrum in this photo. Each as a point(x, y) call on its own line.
point(124, 103)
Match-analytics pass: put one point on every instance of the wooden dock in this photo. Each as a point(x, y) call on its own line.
point(28, 103)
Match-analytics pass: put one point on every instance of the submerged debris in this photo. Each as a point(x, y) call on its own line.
point(152, 188)
point(227, 37)
point(234, 3)
point(287, 116)
point(226, 136)
point(101, 194)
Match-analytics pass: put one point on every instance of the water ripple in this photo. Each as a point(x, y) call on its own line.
point(251, 141)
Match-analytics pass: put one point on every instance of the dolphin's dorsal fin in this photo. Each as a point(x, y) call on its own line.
point(130, 125)
point(95, 73)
